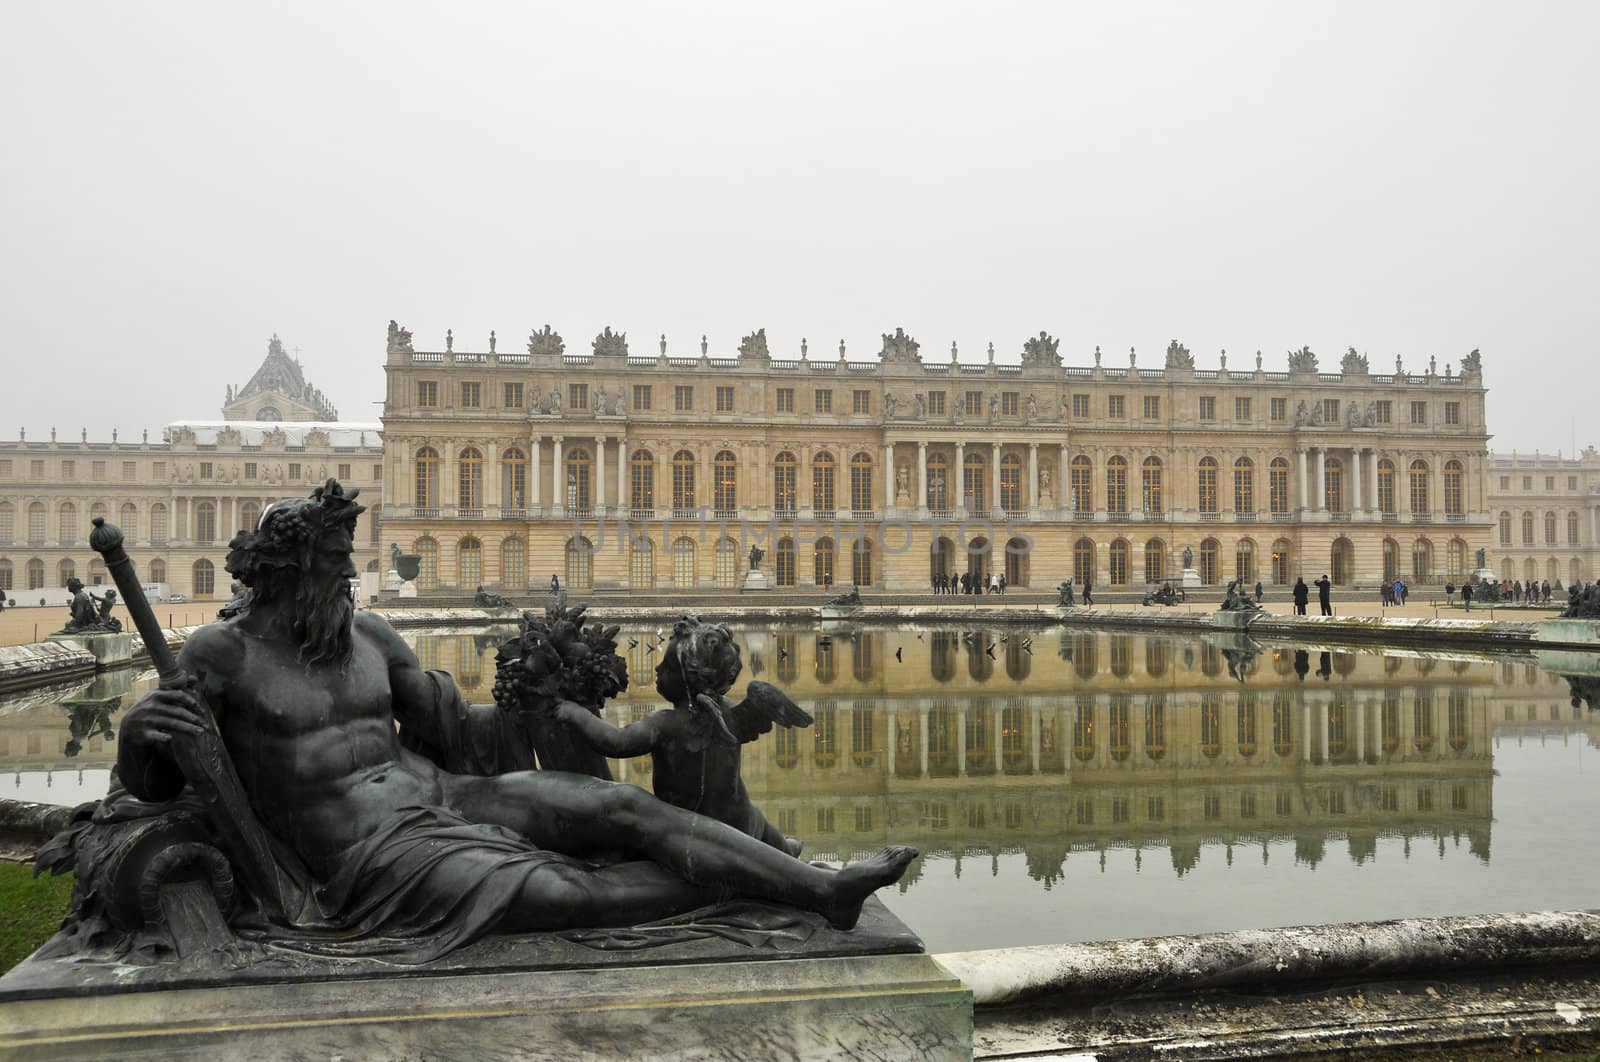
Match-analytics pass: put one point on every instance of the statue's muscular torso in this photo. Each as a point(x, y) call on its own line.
point(315, 748)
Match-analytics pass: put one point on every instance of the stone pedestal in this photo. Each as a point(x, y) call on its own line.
point(755, 579)
point(392, 580)
point(108, 650)
point(1189, 579)
point(408, 589)
point(1484, 575)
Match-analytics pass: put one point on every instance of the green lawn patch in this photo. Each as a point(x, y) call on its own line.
point(33, 910)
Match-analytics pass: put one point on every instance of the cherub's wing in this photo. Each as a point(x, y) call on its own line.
point(764, 704)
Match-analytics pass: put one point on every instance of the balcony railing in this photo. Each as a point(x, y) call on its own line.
point(685, 512)
point(1246, 516)
point(1083, 514)
point(1455, 518)
point(1338, 517)
point(725, 514)
point(642, 514)
point(863, 514)
point(581, 512)
point(1422, 518)
point(469, 514)
point(514, 514)
point(1211, 518)
point(941, 514)
point(1389, 516)
point(824, 514)
point(423, 513)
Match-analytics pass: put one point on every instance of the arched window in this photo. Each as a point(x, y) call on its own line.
point(1386, 495)
point(1118, 740)
point(1420, 502)
point(204, 578)
point(861, 561)
point(579, 466)
point(822, 469)
point(1117, 486)
point(1550, 529)
point(6, 575)
point(1083, 562)
point(1421, 560)
point(249, 515)
point(974, 492)
point(978, 556)
point(205, 522)
point(469, 492)
point(725, 483)
point(65, 569)
point(683, 564)
point(36, 521)
point(683, 495)
point(1456, 560)
point(1011, 483)
point(1206, 484)
point(727, 564)
point(1153, 487)
point(427, 492)
point(1452, 489)
point(98, 509)
point(579, 554)
point(941, 558)
point(1210, 569)
point(1246, 713)
point(783, 562)
point(1572, 529)
point(158, 571)
point(1210, 726)
point(642, 482)
point(1333, 484)
point(1083, 730)
point(1018, 550)
point(1155, 727)
point(428, 566)
point(513, 480)
point(1080, 474)
point(1244, 486)
point(1391, 560)
point(1282, 561)
point(8, 523)
point(268, 413)
point(1527, 529)
point(469, 564)
point(938, 483)
point(514, 564)
point(1155, 561)
point(784, 475)
point(35, 574)
point(1244, 563)
point(1118, 562)
point(1505, 528)
point(822, 566)
point(861, 482)
point(1342, 559)
point(641, 563)
point(158, 524)
point(1278, 486)
point(67, 532)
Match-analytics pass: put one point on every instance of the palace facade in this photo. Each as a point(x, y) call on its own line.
point(627, 471)
point(1547, 516)
point(180, 499)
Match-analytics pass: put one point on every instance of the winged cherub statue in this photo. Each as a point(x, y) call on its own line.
point(696, 744)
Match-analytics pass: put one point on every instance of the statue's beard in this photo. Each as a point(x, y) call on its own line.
point(324, 616)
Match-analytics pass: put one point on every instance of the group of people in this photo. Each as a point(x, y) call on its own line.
point(1394, 593)
point(969, 583)
point(1302, 595)
point(1531, 593)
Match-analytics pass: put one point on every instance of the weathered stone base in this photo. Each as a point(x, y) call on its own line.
point(755, 580)
point(108, 650)
point(883, 1006)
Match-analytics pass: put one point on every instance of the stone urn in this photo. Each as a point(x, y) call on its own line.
point(408, 565)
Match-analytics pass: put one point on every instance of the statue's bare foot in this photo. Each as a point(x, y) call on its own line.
point(794, 846)
point(853, 884)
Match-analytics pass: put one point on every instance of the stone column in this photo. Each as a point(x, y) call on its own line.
point(922, 482)
point(1320, 502)
point(1032, 493)
point(624, 488)
point(1355, 480)
point(600, 474)
point(961, 477)
point(558, 478)
point(888, 477)
point(1300, 455)
point(534, 471)
point(1372, 480)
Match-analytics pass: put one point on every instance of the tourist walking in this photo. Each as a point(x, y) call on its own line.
point(1544, 589)
point(1002, 584)
point(555, 584)
point(1449, 593)
point(1325, 594)
point(1466, 596)
point(1399, 591)
point(1386, 593)
point(1302, 594)
point(1258, 591)
point(1087, 586)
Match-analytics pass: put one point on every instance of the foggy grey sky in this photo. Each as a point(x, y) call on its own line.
point(183, 180)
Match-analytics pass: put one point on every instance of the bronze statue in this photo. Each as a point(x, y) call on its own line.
point(1238, 599)
point(88, 614)
point(275, 740)
point(696, 743)
point(489, 599)
point(851, 598)
point(756, 553)
point(1064, 590)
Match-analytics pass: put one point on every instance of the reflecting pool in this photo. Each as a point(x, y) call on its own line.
point(1068, 785)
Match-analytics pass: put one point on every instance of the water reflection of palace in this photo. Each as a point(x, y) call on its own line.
point(1051, 742)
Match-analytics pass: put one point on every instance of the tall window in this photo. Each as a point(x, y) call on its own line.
point(579, 556)
point(469, 563)
point(36, 524)
point(725, 481)
point(974, 493)
point(1386, 487)
point(205, 578)
point(823, 558)
point(513, 479)
point(1155, 561)
point(938, 483)
point(68, 529)
point(427, 492)
point(1421, 560)
point(1244, 485)
point(158, 524)
point(1154, 503)
point(1278, 486)
point(641, 563)
point(783, 562)
point(1280, 561)
point(1527, 529)
point(822, 469)
point(1080, 481)
point(784, 474)
point(128, 520)
point(861, 482)
point(683, 564)
point(8, 527)
point(249, 515)
point(1011, 483)
point(514, 564)
point(1333, 484)
point(1244, 562)
point(1117, 486)
point(683, 497)
point(642, 481)
point(1083, 562)
point(158, 571)
point(205, 522)
point(578, 469)
point(1505, 529)
point(1550, 529)
point(1452, 489)
point(861, 561)
point(727, 564)
point(1209, 570)
point(469, 478)
point(1572, 529)
point(1118, 562)
point(1206, 485)
point(1419, 487)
